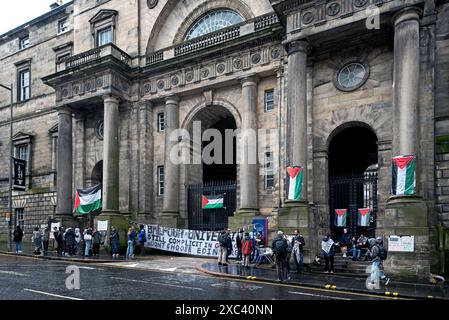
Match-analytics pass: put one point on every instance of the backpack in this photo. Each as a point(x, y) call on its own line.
point(280, 248)
point(382, 253)
point(222, 240)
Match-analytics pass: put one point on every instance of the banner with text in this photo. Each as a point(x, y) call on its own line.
point(193, 242)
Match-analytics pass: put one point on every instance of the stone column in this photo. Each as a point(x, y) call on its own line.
point(111, 156)
point(248, 147)
point(297, 104)
point(295, 214)
point(170, 212)
point(64, 165)
point(406, 81)
point(407, 215)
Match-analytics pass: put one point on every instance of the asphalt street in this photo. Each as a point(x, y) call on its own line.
point(24, 278)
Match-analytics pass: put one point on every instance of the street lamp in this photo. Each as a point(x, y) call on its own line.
point(10, 166)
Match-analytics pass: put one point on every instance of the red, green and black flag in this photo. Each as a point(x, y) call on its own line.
point(294, 183)
point(340, 217)
point(213, 202)
point(88, 200)
point(403, 174)
point(363, 217)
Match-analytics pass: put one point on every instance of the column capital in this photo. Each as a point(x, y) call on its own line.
point(249, 80)
point(65, 110)
point(409, 13)
point(298, 46)
point(110, 99)
point(172, 99)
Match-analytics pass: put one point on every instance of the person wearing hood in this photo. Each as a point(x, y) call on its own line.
point(328, 248)
point(18, 236)
point(96, 241)
point(222, 249)
point(377, 270)
point(46, 240)
point(70, 241)
point(114, 239)
point(247, 249)
point(78, 241)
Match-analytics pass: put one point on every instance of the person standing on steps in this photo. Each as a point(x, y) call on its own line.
point(328, 247)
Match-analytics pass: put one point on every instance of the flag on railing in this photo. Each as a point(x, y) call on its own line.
point(363, 218)
point(213, 202)
point(403, 174)
point(88, 200)
point(295, 183)
point(340, 217)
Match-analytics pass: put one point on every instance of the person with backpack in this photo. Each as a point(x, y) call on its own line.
point(223, 247)
point(328, 247)
point(142, 239)
point(247, 249)
point(70, 241)
point(279, 247)
point(18, 236)
point(96, 241)
point(378, 255)
point(297, 244)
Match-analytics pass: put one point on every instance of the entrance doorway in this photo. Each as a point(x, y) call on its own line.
point(216, 176)
point(353, 163)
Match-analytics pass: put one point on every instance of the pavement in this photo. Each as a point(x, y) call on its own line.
point(339, 282)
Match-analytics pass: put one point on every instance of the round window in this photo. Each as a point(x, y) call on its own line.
point(352, 76)
point(100, 130)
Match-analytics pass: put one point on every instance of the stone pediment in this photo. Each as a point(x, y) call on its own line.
point(102, 15)
point(54, 129)
point(22, 136)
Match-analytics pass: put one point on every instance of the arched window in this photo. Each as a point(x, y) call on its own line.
point(213, 21)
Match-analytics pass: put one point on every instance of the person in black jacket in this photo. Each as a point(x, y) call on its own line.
point(298, 244)
point(114, 239)
point(18, 236)
point(229, 247)
point(280, 247)
point(70, 240)
point(238, 240)
point(57, 234)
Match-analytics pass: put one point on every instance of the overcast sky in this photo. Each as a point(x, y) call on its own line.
point(14, 13)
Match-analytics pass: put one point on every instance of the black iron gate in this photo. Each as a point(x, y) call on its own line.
point(352, 192)
point(211, 219)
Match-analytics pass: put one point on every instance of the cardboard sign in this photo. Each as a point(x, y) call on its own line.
point(102, 225)
point(401, 243)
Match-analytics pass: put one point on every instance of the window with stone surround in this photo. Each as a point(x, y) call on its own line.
point(213, 21)
point(23, 83)
point(63, 25)
point(22, 148)
point(20, 220)
point(24, 42)
point(269, 170)
point(269, 100)
point(351, 76)
point(161, 122)
point(160, 180)
point(103, 26)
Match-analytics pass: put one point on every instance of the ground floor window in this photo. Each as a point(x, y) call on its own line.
point(20, 221)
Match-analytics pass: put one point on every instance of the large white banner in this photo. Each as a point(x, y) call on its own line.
point(193, 242)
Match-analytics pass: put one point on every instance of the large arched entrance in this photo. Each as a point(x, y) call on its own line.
point(353, 162)
point(216, 174)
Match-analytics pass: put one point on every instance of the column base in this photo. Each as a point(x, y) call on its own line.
point(120, 223)
point(243, 217)
point(407, 215)
point(295, 215)
point(169, 219)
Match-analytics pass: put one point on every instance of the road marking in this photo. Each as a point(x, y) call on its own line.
point(318, 295)
point(52, 295)
point(168, 269)
point(12, 273)
point(88, 268)
point(159, 283)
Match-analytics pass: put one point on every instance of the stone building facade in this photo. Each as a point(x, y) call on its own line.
point(338, 87)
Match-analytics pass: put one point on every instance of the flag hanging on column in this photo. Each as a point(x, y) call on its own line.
point(88, 200)
point(295, 183)
point(363, 217)
point(403, 174)
point(213, 202)
point(340, 217)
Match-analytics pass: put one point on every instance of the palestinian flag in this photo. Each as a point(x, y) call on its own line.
point(88, 200)
point(340, 217)
point(295, 183)
point(213, 202)
point(363, 218)
point(403, 174)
